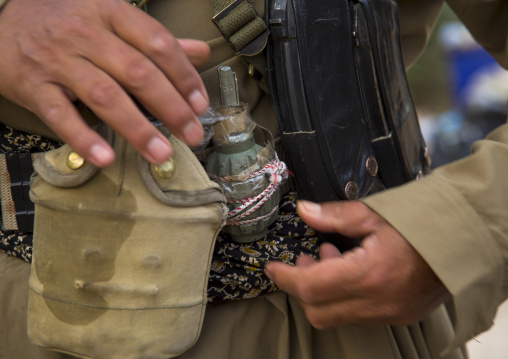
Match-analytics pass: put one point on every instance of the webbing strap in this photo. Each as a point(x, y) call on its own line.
point(17, 208)
point(241, 25)
point(246, 33)
point(244, 30)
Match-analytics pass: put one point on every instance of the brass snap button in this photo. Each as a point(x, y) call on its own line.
point(371, 166)
point(166, 169)
point(74, 161)
point(352, 190)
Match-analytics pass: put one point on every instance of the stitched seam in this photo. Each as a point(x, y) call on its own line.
point(110, 308)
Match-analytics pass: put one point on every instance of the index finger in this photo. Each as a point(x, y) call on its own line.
point(322, 282)
point(159, 45)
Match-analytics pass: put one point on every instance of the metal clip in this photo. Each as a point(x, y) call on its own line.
point(228, 86)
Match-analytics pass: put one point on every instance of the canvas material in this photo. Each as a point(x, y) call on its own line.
point(111, 257)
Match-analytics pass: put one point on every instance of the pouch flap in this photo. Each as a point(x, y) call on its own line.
point(53, 166)
point(188, 188)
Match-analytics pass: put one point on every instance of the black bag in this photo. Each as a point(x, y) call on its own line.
point(338, 84)
point(339, 89)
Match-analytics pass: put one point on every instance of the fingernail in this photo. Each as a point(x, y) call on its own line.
point(310, 206)
point(159, 150)
point(268, 275)
point(266, 263)
point(193, 133)
point(198, 102)
point(101, 154)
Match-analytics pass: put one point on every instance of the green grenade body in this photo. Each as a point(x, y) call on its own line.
point(235, 156)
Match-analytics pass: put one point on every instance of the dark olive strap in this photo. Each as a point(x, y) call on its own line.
point(241, 26)
point(246, 33)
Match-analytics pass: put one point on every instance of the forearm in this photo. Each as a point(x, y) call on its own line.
point(417, 19)
point(486, 21)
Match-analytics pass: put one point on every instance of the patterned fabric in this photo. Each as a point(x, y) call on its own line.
point(237, 268)
point(17, 245)
point(11, 140)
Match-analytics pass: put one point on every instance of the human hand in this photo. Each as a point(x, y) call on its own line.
point(384, 281)
point(100, 51)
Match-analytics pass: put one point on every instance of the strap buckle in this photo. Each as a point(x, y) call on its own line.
point(242, 27)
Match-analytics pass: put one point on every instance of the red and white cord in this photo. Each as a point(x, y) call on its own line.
point(278, 172)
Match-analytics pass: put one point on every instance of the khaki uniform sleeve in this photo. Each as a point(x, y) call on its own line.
point(457, 217)
point(417, 19)
point(487, 20)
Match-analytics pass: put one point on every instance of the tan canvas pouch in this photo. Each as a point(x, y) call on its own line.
point(121, 254)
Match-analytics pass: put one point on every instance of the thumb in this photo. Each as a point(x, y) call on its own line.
point(305, 260)
point(328, 250)
point(350, 218)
